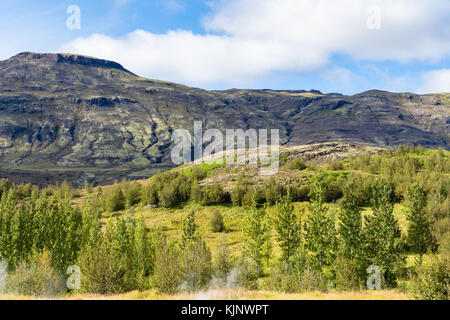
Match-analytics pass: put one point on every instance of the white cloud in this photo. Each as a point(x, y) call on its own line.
point(436, 81)
point(173, 5)
point(250, 38)
point(342, 78)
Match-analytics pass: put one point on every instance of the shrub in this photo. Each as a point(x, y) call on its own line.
point(36, 278)
point(102, 271)
point(238, 194)
point(132, 192)
point(167, 276)
point(293, 277)
point(199, 173)
point(223, 264)
point(168, 197)
point(347, 275)
point(150, 194)
point(333, 191)
point(296, 164)
point(213, 195)
point(432, 279)
point(301, 193)
point(248, 274)
point(217, 224)
point(114, 199)
point(334, 165)
point(272, 191)
point(195, 265)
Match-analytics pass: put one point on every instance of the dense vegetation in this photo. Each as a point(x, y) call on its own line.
point(347, 225)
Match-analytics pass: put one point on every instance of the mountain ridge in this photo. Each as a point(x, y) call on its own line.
point(73, 113)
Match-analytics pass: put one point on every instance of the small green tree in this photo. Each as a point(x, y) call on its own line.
point(419, 229)
point(195, 264)
point(382, 232)
point(256, 234)
point(189, 230)
point(223, 262)
point(167, 275)
point(217, 224)
point(320, 228)
point(90, 226)
point(288, 228)
point(350, 225)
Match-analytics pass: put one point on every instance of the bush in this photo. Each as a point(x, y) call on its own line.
point(432, 279)
point(347, 275)
point(334, 165)
point(273, 191)
point(114, 199)
point(301, 193)
point(223, 264)
point(334, 191)
point(248, 274)
point(36, 278)
point(217, 224)
point(238, 194)
point(168, 197)
point(296, 164)
point(293, 278)
point(195, 265)
point(167, 276)
point(132, 193)
point(213, 195)
point(102, 271)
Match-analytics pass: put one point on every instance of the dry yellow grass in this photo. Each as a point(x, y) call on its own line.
point(239, 294)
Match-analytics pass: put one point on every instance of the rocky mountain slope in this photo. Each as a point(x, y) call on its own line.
point(75, 117)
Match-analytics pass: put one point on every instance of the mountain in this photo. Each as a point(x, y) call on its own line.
point(65, 116)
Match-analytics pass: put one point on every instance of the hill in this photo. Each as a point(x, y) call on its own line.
point(65, 116)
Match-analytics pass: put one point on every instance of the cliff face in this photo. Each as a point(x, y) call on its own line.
point(68, 116)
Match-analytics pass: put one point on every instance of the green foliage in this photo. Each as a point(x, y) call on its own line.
point(273, 191)
point(195, 265)
point(125, 256)
point(256, 232)
point(114, 199)
point(217, 224)
point(287, 227)
point(431, 280)
point(350, 225)
point(382, 232)
point(320, 228)
point(348, 274)
point(35, 278)
point(223, 262)
point(294, 277)
point(296, 164)
point(168, 190)
point(248, 274)
point(189, 230)
point(213, 195)
point(120, 260)
point(167, 276)
point(419, 229)
point(241, 188)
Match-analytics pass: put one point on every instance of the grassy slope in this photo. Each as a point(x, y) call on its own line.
point(171, 221)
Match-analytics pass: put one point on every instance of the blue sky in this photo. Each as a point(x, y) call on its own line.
point(345, 46)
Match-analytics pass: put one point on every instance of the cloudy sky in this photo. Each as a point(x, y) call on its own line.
point(344, 46)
